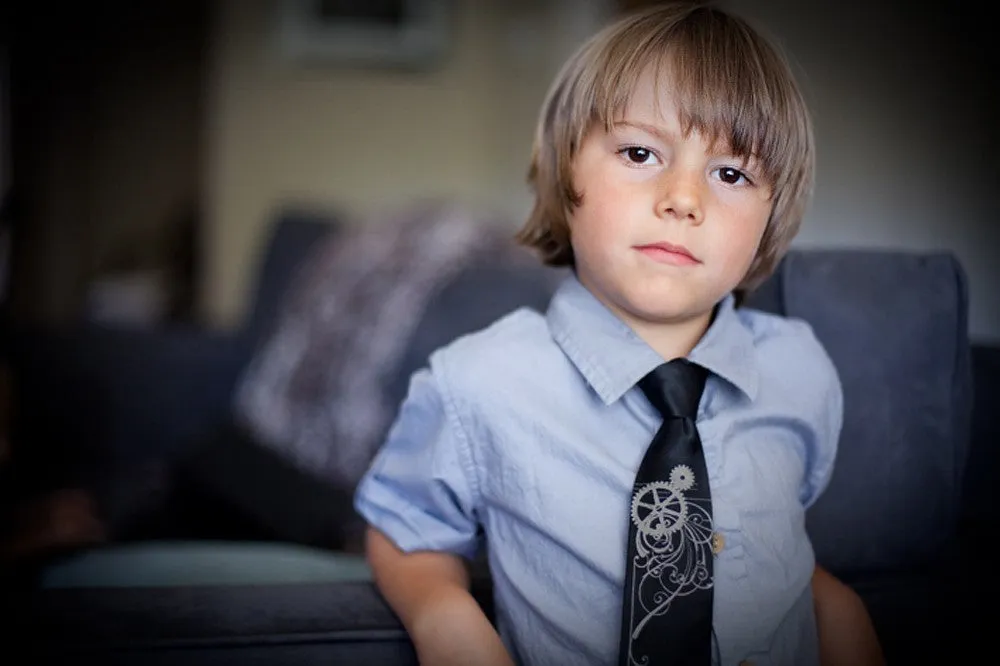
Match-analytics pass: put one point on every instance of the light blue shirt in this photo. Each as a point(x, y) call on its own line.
point(531, 431)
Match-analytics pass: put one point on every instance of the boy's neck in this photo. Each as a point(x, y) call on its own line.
point(672, 339)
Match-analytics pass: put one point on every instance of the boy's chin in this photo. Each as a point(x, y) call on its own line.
point(670, 306)
point(671, 312)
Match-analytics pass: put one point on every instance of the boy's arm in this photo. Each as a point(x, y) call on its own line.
point(846, 634)
point(420, 500)
point(429, 591)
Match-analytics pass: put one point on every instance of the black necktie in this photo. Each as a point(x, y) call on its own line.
point(667, 599)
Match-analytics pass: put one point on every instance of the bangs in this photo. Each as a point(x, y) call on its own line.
point(723, 80)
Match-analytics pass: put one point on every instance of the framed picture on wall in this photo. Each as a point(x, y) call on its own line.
point(391, 33)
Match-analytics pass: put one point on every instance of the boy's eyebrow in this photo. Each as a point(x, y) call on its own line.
point(658, 132)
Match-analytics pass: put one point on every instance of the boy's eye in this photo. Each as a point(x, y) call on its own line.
point(638, 155)
point(732, 176)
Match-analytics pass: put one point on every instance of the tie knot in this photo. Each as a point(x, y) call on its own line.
point(675, 388)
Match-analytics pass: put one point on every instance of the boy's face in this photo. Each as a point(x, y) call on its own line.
point(668, 224)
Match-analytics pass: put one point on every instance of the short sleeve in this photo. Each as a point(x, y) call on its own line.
point(419, 490)
point(827, 421)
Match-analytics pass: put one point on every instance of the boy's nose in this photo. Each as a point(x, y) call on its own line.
point(681, 196)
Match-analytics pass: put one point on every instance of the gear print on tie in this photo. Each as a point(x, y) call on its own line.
point(673, 543)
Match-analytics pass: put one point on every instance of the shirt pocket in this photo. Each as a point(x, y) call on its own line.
point(779, 563)
point(777, 548)
point(731, 558)
point(778, 553)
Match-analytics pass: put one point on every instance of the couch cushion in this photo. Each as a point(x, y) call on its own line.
point(895, 326)
point(181, 564)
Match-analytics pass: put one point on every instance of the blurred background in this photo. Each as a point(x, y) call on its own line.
point(165, 165)
point(146, 147)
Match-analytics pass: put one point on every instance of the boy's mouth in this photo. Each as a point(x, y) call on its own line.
point(668, 253)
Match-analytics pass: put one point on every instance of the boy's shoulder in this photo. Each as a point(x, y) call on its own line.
point(515, 347)
point(770, 329)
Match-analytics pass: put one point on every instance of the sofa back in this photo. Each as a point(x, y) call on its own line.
point(296, 232)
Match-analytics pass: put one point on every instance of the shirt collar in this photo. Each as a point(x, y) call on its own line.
point(612, 358)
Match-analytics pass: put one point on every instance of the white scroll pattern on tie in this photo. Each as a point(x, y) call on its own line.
point(673, 546)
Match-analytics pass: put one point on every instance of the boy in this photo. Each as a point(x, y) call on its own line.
point(672, 164)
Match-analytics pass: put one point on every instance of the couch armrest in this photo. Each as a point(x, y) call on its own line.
point(216, 603)
point(981, 494)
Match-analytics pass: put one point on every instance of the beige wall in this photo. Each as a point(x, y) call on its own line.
point(365, 140)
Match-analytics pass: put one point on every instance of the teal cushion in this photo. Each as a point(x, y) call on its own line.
point(187, 563)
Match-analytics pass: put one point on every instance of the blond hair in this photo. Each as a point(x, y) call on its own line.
point(728, 82)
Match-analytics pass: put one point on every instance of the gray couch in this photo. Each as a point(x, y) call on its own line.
point(892, 523)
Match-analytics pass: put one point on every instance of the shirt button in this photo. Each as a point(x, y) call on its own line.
point(718, 543)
